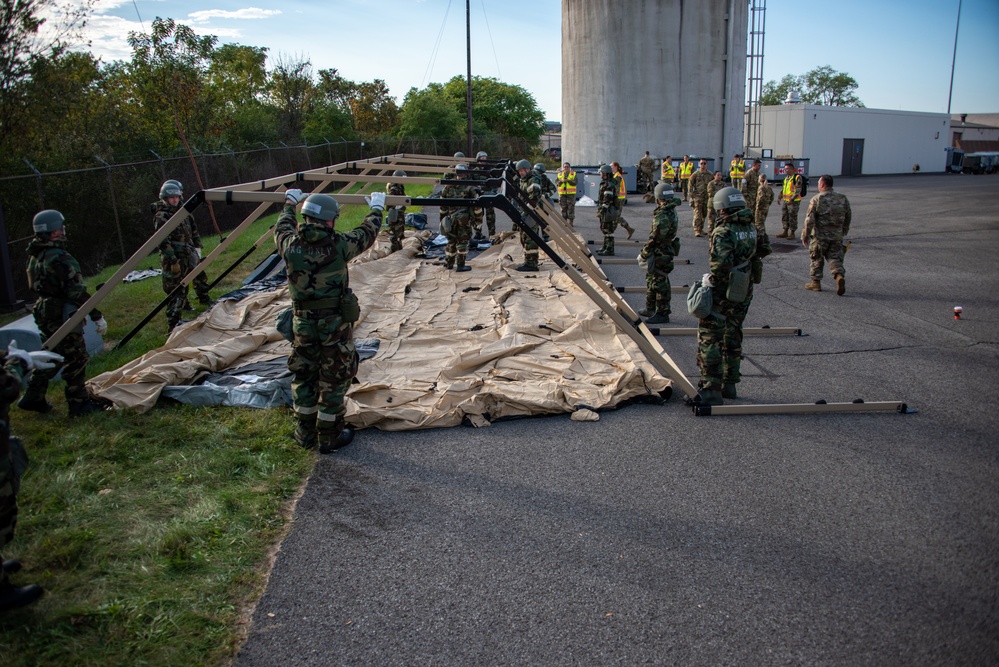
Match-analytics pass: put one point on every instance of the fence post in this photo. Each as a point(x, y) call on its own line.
point(235, 162)
point(329, 151)
point(114, 207)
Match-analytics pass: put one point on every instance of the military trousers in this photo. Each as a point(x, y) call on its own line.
point(719, 344)
point(822, 251)
point(324, 362)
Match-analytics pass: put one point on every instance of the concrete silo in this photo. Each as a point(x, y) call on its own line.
point(667, 76)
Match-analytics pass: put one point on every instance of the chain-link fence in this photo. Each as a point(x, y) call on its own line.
point(107, 207)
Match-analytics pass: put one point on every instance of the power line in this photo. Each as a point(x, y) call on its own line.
point(499, 74)
point(437, 44)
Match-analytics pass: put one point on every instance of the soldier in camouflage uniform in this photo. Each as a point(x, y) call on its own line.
point(179, 253)
point(54, 275)
point(15, 365)
point(323, 357)
point(657, 256)
point(697, 190)
point(396, 215)
point(456, 221)
point(530, 186)
point(607, 211)
point(487, 212)
point(714, 186)
point(826, 223)
point(751, 183)
point(735, 248)
point(548, 189)
point(646, 166)
point(764, 199)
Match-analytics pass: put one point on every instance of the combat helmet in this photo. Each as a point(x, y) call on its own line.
point(606, 169)
point(171, 188)
point(321, 207)
point(459, 154)
point(664, 191)
point(729, 199)
point(399, 173)
point(49, 220)
point(523, 164)
point(480, 155)
point(540, 168)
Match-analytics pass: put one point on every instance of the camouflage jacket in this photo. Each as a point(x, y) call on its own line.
point(828, 217)
point(764, 195)
point(54, 275)
point(606, 194)
point(646, 165)
point(732, 242)
point(713, 187)
point(179, 240)
point(662, 237)
point(547, 187)
point(316, 255)
point(750, 183)
point(698, 185)
point(13, 372)
point(463, 191)
point(397, 190)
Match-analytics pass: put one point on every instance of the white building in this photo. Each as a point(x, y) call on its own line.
point(847, 141)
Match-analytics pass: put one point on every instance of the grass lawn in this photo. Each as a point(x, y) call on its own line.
point(151, 534)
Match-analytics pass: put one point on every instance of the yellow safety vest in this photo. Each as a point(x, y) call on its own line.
point(564, 187)
point(686, 169)
point(790, 188)
point(668, 171)
point(622, 191)
point(738, 169)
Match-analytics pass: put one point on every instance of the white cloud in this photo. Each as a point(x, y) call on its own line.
point(248, 13)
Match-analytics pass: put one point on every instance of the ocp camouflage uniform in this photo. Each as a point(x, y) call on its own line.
point(734, 243)
point(764, 199)
point(396, 216)
point(323, 358)
point(460, 231)
point(826, 223)
point(713, 187)
point(13, 371)
point(750, 184)
point(54, 275)
point(790, 201)
point(532, 189)
point(659, 251)
point(646, 166)
point(607, 213)
point(697, 190)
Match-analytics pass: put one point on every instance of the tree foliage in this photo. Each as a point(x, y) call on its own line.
point(822, 85)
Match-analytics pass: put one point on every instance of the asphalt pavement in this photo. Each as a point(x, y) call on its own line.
point(657, 537)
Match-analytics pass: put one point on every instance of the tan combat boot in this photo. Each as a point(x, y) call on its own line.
point(840, 285)
point(814, 286)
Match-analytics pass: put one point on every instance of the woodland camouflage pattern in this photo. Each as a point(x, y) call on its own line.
point(396, 216)
point(323, 358)
point(12, 374)
point(54, 275)
point(532, 190)
point(178, 255)
point(659, 251)
point(461, 224)
point(607, 212)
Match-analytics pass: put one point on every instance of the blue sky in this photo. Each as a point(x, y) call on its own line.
point(899, 52)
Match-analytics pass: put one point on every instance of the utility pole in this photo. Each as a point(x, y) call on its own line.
point(468, 87)
point(953, 60)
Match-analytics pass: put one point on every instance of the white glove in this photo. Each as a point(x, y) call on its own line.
point(102, 326)
point(376, 201)
point(198, 250)
point(644, 263)
point(293, 196)
point(40, 359)
point(706, 280)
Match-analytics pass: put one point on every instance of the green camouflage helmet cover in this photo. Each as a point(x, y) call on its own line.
point(729, 198)
point(48, 220)
point(321, 207)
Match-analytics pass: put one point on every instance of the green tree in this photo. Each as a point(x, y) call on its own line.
point(822, 85)
point(498, 108)
point(293, 92)
point(429, 114)
point(374, 110)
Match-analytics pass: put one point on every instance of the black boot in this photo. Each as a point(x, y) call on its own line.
point(34, 404)
point(710, 397)
point(728, 390)
point(14, 597)
point(81, 408)
point(658, 318)
point(329, 443)
point(11, 566)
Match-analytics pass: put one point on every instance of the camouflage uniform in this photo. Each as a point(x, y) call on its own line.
point(622, 200)
point(645, 168)
point(607, 213)
point(719, 336)
point(764, 199)
point(826, 223)
point(567, 200)
point(713, 187)
point(178, 255)
point(697, 190)
point(54, 275)
point(659, 252)
point(790, 200)
point(323, 357)
point(461, 224)
point(396, 216)
point(750, 184)
point(200, 281)
point(12, 374)
point(532, 189)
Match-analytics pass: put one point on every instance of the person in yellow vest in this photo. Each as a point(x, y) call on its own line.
point(668, 173)
point(622, 196)
point(790, 200)
point(698, 190)
point(737, 170)
point(565, 182)
point(686, 169)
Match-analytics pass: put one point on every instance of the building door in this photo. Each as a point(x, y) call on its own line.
point(853, 157)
